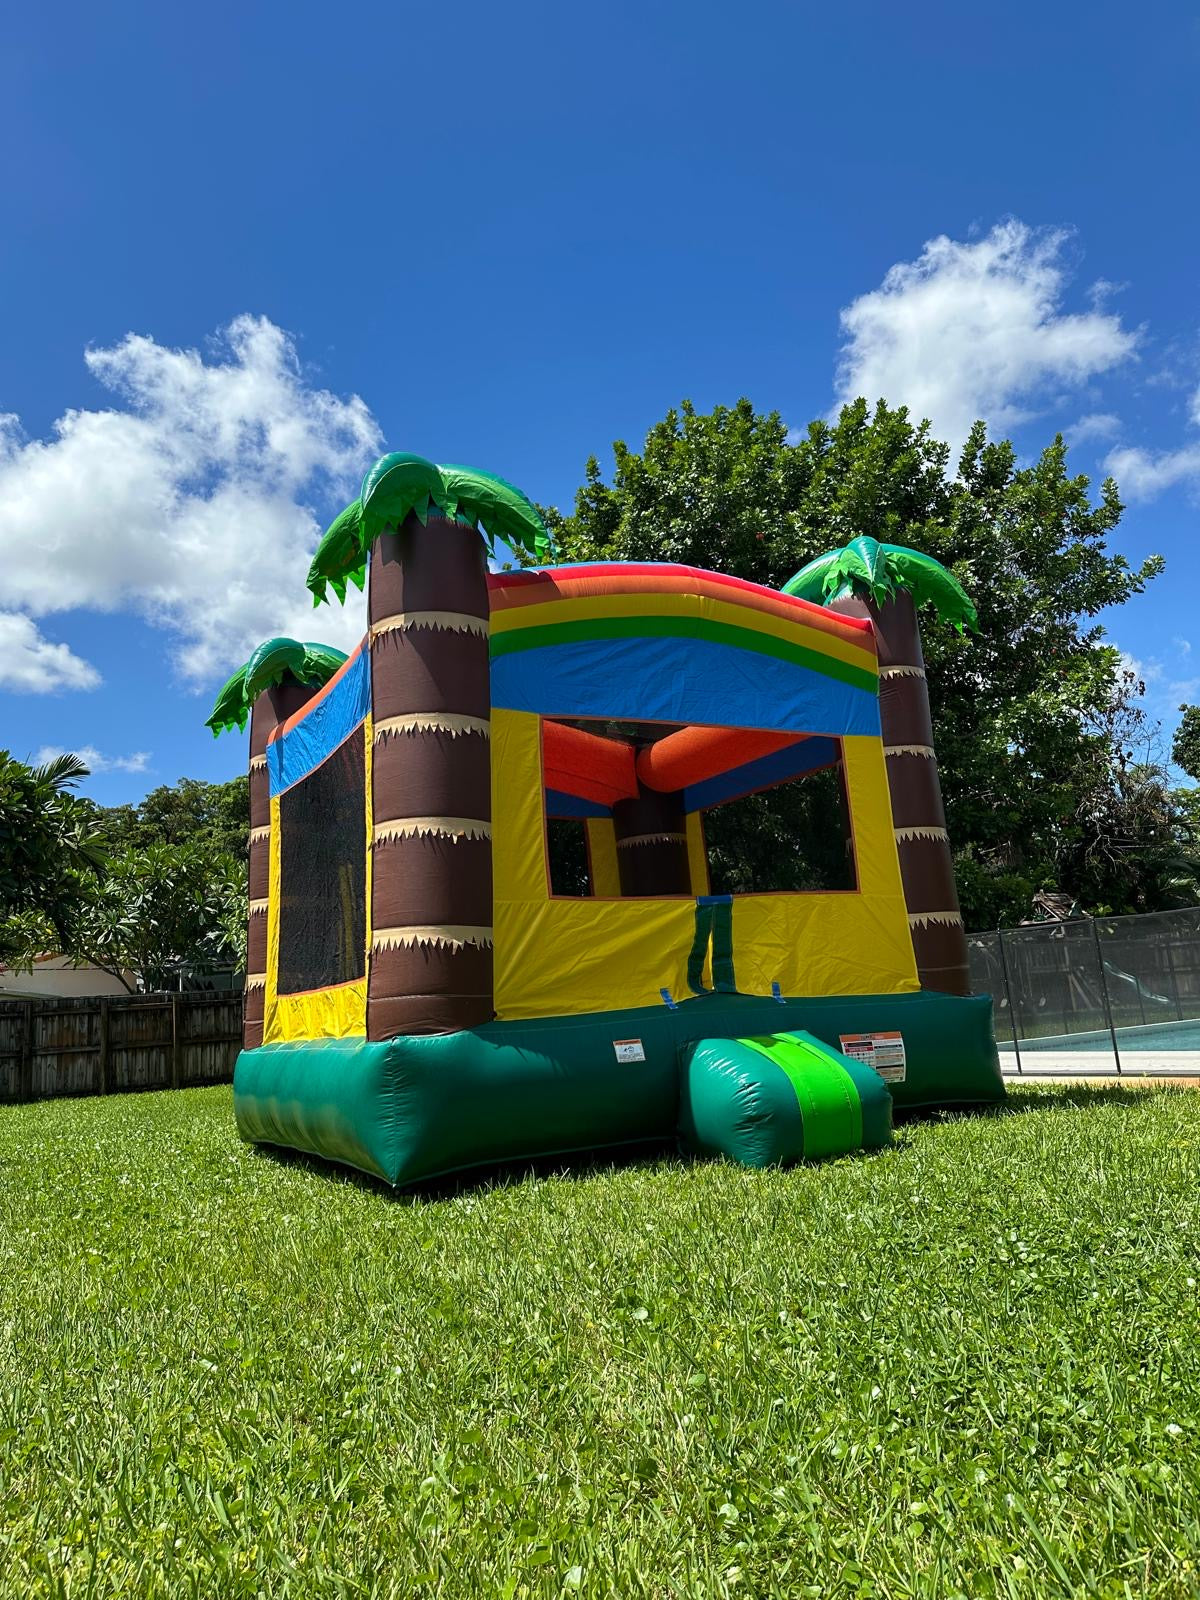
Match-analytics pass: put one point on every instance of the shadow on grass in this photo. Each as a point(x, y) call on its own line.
point(477, 1180)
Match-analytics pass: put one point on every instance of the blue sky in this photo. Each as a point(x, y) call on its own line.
point(244, 247)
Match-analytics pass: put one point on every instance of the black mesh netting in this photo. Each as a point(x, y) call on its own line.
point(323, 874)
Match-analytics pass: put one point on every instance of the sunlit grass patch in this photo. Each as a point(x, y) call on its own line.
point(967, 1365)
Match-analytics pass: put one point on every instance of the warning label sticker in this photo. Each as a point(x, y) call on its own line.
point(629, 1050)
point(883, 1051)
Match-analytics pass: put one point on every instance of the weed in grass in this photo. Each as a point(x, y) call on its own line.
point(967, 1366)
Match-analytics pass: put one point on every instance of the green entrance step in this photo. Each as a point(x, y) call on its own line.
point(780, 1097)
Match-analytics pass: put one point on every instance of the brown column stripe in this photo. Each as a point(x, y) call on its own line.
point(443, 621)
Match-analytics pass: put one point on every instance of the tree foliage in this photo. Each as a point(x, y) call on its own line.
point(50, 853)
point(138, 890)
point(1036, 724)
point(1185, 748)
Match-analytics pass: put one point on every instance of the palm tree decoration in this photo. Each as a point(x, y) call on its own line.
point(887, 583)
point(272, 664)
point(428, 530)
point(281, 676)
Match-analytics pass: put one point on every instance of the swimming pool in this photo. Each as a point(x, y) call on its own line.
point(1153, 1038)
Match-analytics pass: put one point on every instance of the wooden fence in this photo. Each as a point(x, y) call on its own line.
point(105, 1045)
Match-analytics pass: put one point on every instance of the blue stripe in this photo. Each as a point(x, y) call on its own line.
point(670, 679)
point(791, 762)
point(330, 722)
point(561, 804)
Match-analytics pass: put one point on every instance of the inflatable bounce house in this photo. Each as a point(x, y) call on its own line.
point(567, 858)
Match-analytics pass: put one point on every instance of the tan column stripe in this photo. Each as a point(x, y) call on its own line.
point(444, 827)
point(260, 835)
point(942, 919)
point(450, 722)
point(446, 934)
point(444, 621)
point(256, 980)
point(902, 672)
point(925, 750)
point(907, 835)
point(258, 763)
point(651, 838)
point(258, 908)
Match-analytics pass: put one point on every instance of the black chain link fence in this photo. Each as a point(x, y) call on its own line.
point(1095, 995)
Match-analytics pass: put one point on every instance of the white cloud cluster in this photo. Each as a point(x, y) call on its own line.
point(187, 503)
point(1142, 474)
point(31, 664)
point(94, 760)
point(976, 330)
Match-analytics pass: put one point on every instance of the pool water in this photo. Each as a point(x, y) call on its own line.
point(1157, 1036)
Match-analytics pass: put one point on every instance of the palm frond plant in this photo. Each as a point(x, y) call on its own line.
point(270, 665)
point(400, 485)
point(888, 583)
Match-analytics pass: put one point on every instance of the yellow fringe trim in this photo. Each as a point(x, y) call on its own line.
point(442, 621)
point(906, 835)
point(449, 936)
point(925, 750)
point(450, 722)
point(438, 827)
point(651, 838)
point(940, 919)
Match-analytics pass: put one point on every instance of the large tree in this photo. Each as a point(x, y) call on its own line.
point(1022, 710)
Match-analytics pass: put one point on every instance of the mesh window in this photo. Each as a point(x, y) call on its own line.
point(323, 872)
point(567, 851)
point(790, 839)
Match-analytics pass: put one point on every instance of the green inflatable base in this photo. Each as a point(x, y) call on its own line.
point(423, 1106)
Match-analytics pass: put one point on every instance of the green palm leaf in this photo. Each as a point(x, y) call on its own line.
point(876, 571)
point(399, 485)
point(312, 663)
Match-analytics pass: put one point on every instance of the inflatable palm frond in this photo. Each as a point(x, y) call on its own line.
point(400, 485)
point(312, 664)
point(876, 571)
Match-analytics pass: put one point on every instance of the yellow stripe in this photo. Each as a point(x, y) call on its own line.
point(589, 607)
point(602, 853)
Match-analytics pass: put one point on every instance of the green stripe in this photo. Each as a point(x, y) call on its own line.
point(876, 1106)
point(724, 981)
point(582, 631)
point(826, 1094)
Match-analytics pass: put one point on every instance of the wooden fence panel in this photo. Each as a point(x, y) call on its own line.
point(51, 1048)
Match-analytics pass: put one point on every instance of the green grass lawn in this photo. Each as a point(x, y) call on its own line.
point(969, 1365)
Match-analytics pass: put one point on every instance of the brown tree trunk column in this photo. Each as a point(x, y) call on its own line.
point(651, 835)
point(271, 708)
point(431, 884)
point(918, 816)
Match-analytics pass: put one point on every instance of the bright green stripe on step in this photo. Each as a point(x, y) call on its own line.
point(828, 1099)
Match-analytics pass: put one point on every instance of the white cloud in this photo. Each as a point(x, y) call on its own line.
point(976, 330)
point(188, 503)
point(94, 760)
point(1142, 474)
point(32, 664)
point(1096, 425)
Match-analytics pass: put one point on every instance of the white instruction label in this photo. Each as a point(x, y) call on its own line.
point(883, 1051)
point(629, 1050)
